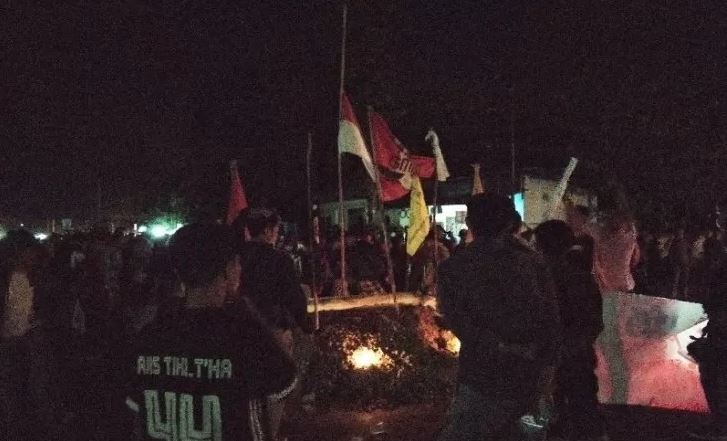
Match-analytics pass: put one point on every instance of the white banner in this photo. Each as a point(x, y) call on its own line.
point(642, 352)
point(559, 191)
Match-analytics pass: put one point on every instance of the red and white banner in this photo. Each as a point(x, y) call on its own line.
point(397, 166)
point(350, 139)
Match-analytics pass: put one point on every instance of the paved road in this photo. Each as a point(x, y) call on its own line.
point(421, 423)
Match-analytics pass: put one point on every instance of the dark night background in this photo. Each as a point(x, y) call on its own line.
point(153, 98)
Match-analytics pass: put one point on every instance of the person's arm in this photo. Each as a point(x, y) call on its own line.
point(546, 321)
point(268, 370)
point(585, 306)
point(635, 254)
point(452, 304)
point(294, 299)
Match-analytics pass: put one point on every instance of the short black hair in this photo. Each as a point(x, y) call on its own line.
point(18, 240)
point(554, 237)
point(258, 219)
point(583, 210)
point(489, 214)
point(200, 252)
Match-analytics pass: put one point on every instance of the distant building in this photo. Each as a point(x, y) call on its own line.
point(532, 202)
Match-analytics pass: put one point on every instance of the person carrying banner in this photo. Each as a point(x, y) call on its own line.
point(616, 255)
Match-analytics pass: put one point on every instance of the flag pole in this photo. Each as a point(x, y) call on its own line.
point(387, 248)
point(311, 229)
point(341, 215)
point(513, 172)
point(435, 203)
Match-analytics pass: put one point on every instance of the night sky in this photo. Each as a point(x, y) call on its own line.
point(153, 98)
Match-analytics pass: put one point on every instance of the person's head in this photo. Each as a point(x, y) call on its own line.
point(19, 249)
point(680, 233)
point(101, 231)
point(264, 225)
point(489, 215)
point(578, 216)
point(554, 238)
point(238, 226)
point(205, 258)
point(463, 234)
point(137, 254)
point(369, 235)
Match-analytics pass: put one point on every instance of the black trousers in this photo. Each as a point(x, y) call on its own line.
point(713, 373)
point(27, 398)
point(576, 394)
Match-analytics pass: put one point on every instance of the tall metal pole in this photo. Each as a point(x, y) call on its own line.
point(98, 198)
point(311, 231)
point(387, 248)
point(435, 204)
point(341, 207)
point(513, 173)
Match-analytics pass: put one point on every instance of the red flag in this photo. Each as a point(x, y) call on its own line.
point(392, 155)
point(392, 189)
point(238, 200)
point(396, 165)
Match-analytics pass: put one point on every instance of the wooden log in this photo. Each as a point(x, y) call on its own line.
point(377, 301)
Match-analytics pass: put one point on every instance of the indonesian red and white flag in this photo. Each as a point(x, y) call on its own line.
point(397, 166)
point(238, 199)
point(350, 139)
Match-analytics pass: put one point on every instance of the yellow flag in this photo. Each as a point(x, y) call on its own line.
point(418, 218)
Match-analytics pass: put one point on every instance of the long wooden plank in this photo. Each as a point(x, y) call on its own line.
point(377, 301)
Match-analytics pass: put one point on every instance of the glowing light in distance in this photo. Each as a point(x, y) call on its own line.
point(142, 229)
point(158, 231)
point(41, 236)
point(364, 358)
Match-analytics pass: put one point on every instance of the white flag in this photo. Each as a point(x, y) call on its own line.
point(442, 170)
point(560, 189)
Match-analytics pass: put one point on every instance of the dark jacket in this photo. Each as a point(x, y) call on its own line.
point(367, 262)
point(716, 304)
point(579, 299)
point(496, 295)
point(269, 280)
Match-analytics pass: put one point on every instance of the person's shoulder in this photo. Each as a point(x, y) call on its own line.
point(520, 247)
point(457, 261)
point(524, 255)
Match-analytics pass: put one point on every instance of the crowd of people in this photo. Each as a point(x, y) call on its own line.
point(90, 321)
point(678, 262)
point(528, 313)
point(104, 335)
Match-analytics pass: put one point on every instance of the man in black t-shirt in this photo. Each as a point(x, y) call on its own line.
point(206, 373)
point(270, 283)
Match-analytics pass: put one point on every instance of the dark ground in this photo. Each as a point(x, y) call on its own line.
point(421, 423)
